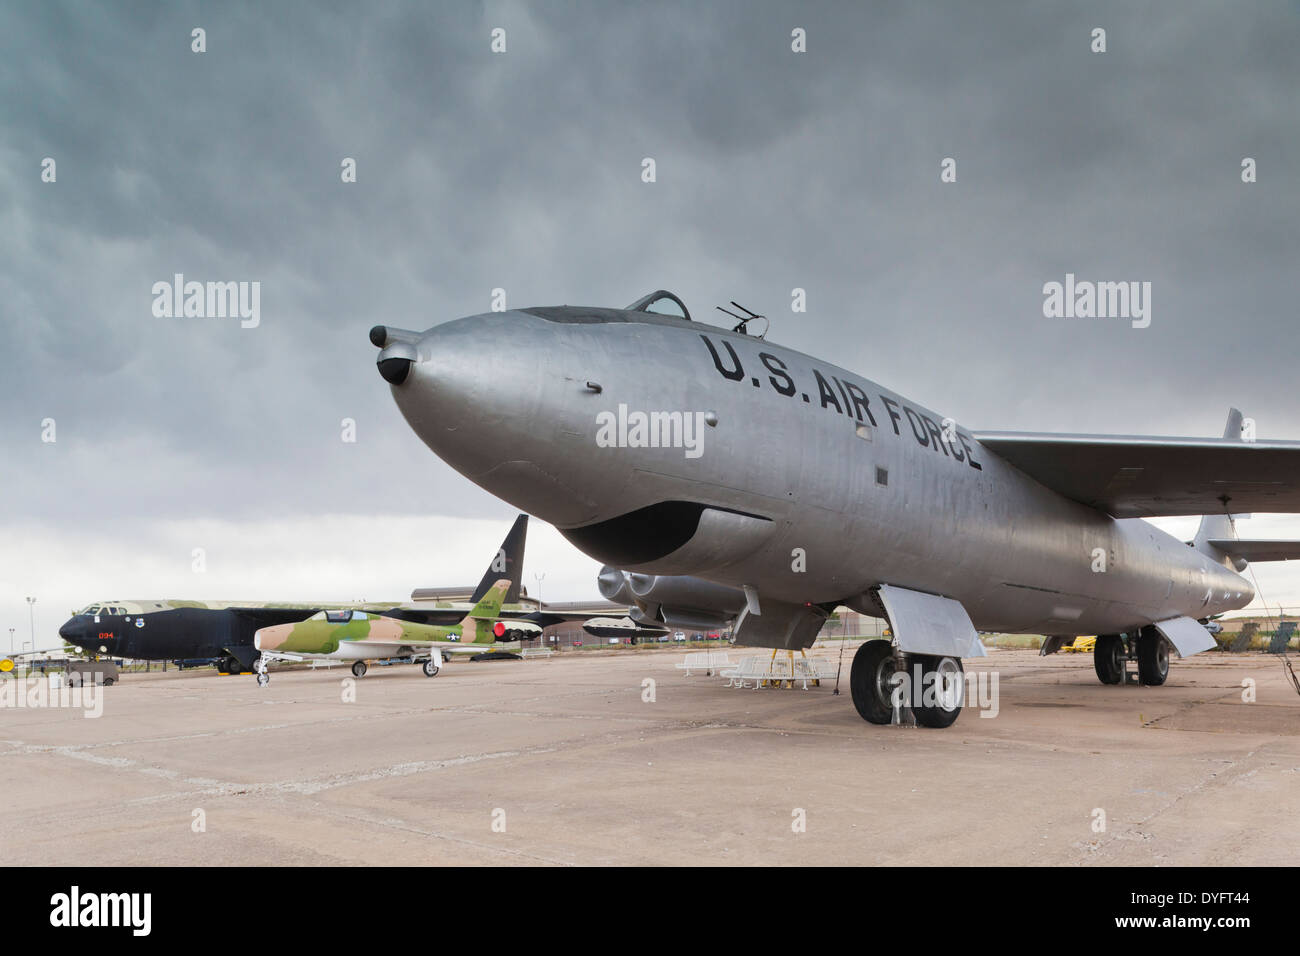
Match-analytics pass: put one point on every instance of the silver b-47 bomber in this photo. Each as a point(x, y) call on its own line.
point(669, 447)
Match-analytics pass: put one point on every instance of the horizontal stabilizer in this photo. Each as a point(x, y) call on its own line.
point(1187, 635)
point(1278, 549)
point(1143, 477)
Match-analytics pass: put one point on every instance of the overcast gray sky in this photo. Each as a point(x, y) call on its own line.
point(521, 170)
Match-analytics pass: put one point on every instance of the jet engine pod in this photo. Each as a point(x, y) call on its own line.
point(694, 620)
point(613, 586)
point(686, 601)
point(673, 537)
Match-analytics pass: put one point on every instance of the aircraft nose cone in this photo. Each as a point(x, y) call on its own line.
point(499, 398)
point(72, 630)
point(270, 638)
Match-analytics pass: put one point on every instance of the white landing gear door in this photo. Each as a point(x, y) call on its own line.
point(1187, 635)
point(928, 624)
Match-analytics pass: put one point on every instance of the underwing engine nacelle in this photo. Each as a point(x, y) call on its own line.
point(676, 600)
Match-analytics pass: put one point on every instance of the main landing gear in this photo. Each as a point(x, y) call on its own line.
point(359, 669)
point(430, 669)
point(886, 683)
point(1148, 647)
point(259, 666)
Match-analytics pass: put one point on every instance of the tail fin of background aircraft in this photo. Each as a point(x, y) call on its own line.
point(507, 563)
point(1216, 538)
point(490, 605)
point(1220, 526)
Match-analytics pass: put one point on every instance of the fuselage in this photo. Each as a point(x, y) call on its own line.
point(360, 635)
point(159, 630)
point(784, 473)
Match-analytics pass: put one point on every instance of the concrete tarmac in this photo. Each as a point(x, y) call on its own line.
point(565, 761)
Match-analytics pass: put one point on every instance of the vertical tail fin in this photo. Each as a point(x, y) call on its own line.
point(478, 625)
point(489, 606)
point(1220, 526)
point(507, 563)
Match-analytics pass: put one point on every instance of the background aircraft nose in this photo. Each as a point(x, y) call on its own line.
point(269, 638)
point(71, 630)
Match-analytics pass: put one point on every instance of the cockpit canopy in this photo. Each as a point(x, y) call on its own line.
point(661, 302)
point(111, 610)
point(341, 617)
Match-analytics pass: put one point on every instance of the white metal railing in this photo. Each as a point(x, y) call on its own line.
point(707, 661)
point(772, 671)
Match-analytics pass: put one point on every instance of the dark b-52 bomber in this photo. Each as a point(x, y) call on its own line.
point(669, 447)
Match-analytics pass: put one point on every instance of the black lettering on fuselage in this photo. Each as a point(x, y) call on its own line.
point(934, 431)
point(970, 455)
point(953, 446)
point(777, 368)
point(891, 406)
point(918, 427)
point(824, 388)
point(843, 394)
point(861, 405)
point(734, 374)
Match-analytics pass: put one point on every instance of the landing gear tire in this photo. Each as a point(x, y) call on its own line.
point(431, 669)
point(1153, 657)
point(263, 679)
point(358, 668)
point(1108, 658)
point(937, 703)
point(869, 681)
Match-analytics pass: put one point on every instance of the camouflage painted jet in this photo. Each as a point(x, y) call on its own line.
point(359, 636)
point(174, 630)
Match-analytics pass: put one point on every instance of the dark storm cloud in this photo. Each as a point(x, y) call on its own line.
point(775, 170)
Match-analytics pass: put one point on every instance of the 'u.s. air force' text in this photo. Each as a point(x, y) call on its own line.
point(849, 399)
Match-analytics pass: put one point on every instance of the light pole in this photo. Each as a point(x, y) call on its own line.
point(539, 575)
point(11, 641)
point(31, 608)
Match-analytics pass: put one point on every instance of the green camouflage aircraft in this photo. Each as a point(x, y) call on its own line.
point(358, 636)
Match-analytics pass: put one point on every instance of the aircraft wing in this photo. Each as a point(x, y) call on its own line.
point(545, 619)
point(1278, 549)
point(1144, 477)
point(451, 615)
point(438, 615)
point(270, 616)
